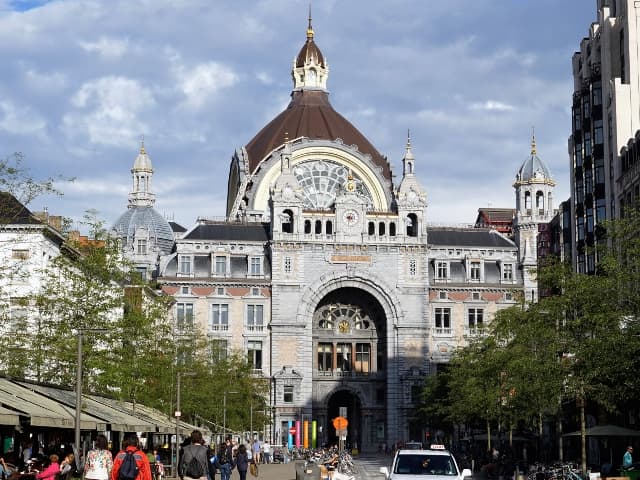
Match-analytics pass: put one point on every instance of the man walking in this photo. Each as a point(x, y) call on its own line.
point(126, 457)
point(195, 463)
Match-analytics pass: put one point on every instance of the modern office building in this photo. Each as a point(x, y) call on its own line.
point(605, 121)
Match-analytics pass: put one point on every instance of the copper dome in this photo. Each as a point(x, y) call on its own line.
point(310, 52)
point(309, 114)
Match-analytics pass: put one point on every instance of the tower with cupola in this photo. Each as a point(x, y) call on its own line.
point(534, 187)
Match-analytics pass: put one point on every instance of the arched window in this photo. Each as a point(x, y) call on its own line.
point(318, 226)
point(307, 226)
point(381, 229)
point(372, 228)
point(287, 221)
point(539, 200)
point(527, 200)
point(412, 225)
point(392, 229)
point(329, 227)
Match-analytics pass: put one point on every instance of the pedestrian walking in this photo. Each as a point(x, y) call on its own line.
point(131, 450)
point(266, 452)
point(256, 450)
point(99, 460)
point(195, 459)
point(225, 459)
point(242, 462)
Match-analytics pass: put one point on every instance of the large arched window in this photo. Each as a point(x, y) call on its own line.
point(412, 225)
point(287, 221)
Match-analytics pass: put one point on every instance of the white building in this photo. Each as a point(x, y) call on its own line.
point(327, 275)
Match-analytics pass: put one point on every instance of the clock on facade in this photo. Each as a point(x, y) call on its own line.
point(343, 326)
point(350, 217)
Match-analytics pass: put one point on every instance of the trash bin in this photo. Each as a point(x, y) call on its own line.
point(310, 471)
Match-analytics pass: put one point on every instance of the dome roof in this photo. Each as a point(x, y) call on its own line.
point(136, 217)
point(309, 114)
point(533, 168)
point(142, 161)
point(310, 53)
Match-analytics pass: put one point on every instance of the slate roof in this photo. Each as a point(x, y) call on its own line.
point(176, 227)
point(252, 232)
point(471, 237)
point(12, 212)
point(310, 115)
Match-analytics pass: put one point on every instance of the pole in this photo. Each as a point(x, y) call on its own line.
point(251, 418)
point(224, 416)
point(78, 398)
point(177, 422)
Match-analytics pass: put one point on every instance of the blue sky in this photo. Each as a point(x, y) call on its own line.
point(82, 81)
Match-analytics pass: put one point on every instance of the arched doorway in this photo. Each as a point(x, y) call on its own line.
point(345, 403)
point(350, 366)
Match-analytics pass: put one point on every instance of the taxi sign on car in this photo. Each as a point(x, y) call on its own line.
point(434, 463)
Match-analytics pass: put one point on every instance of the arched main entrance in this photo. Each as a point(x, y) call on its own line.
point(350, 366)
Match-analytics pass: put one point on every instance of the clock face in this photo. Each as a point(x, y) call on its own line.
point(350, 217)
point(343, 326)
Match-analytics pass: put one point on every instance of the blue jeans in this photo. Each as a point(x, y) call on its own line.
point(225, 471)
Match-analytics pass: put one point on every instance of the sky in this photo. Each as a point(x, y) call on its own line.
point(83, 81)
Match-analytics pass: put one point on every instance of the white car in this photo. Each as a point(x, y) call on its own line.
point(434, 463)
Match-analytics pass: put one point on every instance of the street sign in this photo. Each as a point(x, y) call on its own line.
point(178, 413)
point(340, 423)
point(292, 431)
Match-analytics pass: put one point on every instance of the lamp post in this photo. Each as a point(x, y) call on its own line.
point(78, 413)
point(178, 414)
point(224, 414)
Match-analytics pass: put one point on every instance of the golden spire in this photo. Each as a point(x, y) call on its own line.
point(142, 150)
point(533, 141)
point(309, 28)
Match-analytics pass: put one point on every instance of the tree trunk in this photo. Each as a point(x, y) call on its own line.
point(488, 435)
point(583, 432)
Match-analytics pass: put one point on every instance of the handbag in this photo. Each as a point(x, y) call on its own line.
point(253, 468)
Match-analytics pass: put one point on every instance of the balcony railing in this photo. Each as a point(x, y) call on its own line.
point(347, 374)
point(442, 331)
point(254, 328)
point(219, 328)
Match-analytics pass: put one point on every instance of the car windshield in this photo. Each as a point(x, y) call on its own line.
point(424, 464)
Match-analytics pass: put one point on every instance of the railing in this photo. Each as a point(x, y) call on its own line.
point(349, 374)
point(219, 328)
point(254, 328)
point(442, 331)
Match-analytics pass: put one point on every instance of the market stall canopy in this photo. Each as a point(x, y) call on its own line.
point(43, 411)
point(119, 420)
point(606, 431)
point(9, 417)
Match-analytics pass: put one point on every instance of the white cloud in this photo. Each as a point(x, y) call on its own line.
point(200, 83)
point(109, 110)
point(492, 105)
point(19, 119)
point(108, 47)
point(45, 81)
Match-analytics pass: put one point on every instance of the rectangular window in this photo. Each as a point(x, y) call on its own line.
point(219, 349)
point(476, 318)
point(363, 358)
point(596, 90)
point(255, 266)
point(343, 357)
point(507, 272)
point(508, 296)
point(142, 246)
point(598, 135)
point(184, 314)
point(219, 317)
point(20, 254)
point(474, 271)
point(254, 354)
point(185, 264)
point(287, 264)
point(220, 291)
point(255, 318)
point(288, 394)
point(443, 295)
point(413, 267)
point(443, 321)
point(587, 144)
point(442, 270)
point(184, 290)
point(325, 357)
point(220, 265)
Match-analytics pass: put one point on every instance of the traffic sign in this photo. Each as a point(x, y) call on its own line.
point(292, 431)
point(340, 423)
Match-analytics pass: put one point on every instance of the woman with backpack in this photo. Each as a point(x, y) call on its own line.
point(130, 462)
point(225, 459)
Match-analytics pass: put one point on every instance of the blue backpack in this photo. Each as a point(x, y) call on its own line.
point(129, 467)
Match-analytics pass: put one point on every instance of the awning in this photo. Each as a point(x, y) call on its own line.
point(41, 410)
point(9, 417)
point(118, 420)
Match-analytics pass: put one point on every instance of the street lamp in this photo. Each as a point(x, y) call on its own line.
point(78, 414)
point(224, 414)
point(179, 414)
